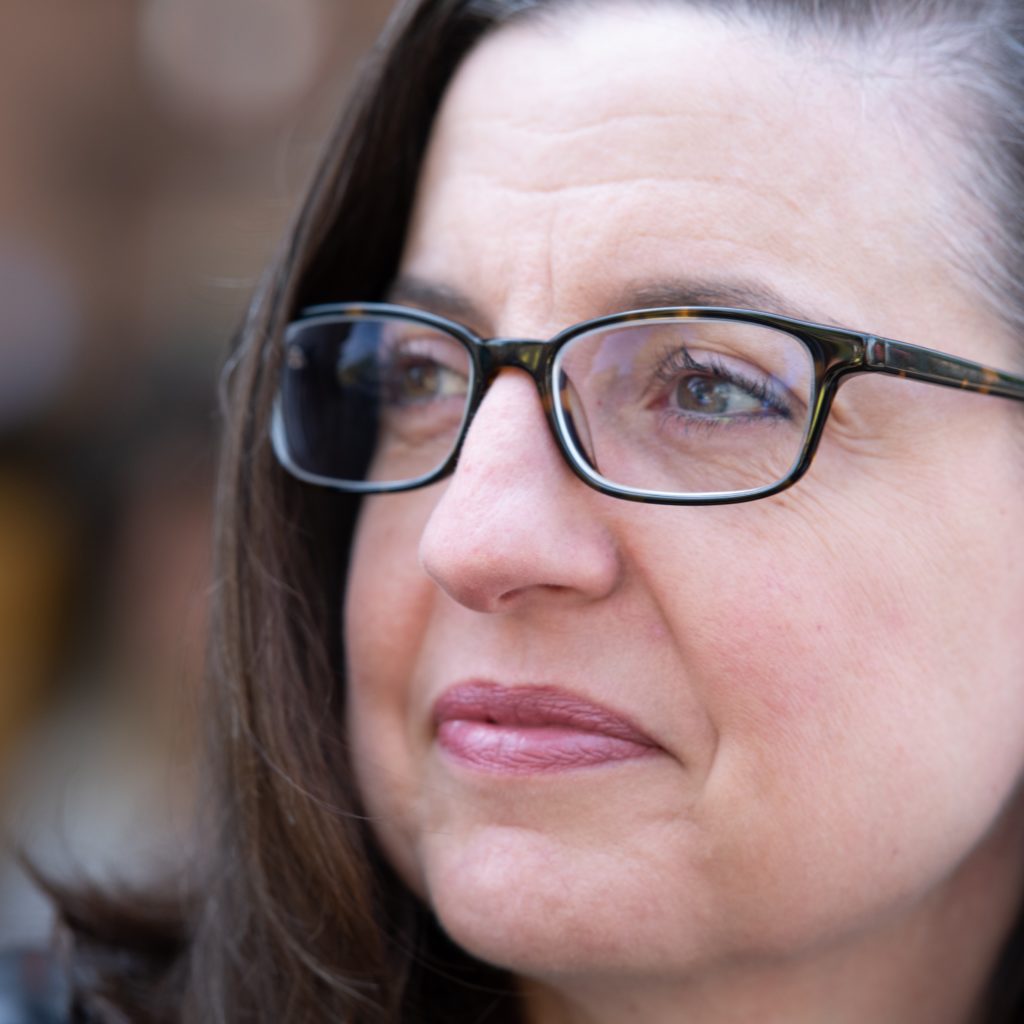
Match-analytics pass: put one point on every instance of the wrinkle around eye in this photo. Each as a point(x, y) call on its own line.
point(872, 407)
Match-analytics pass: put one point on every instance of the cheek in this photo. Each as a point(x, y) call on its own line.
point(387, 608)
point(868, 699)
point(864, 683)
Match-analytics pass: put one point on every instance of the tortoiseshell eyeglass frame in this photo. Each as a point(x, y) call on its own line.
point(837, 353)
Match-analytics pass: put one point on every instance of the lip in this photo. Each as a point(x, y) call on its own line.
point(526, 730)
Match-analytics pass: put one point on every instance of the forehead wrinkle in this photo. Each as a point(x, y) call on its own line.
point(478, 169)
point(528, 294)
point(545, 280)
point(502, 135)
point(512, 282)
point(604, 157)
point(654, 181)
point(504, 121)
point(567, 262)
point(447, 300)
point(447, 186)
point(868, 94)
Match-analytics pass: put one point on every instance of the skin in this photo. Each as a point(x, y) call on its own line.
point(831, 828)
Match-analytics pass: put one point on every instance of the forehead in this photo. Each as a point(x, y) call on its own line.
point(578, 159)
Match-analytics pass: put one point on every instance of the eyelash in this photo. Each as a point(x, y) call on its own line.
point(677, 361)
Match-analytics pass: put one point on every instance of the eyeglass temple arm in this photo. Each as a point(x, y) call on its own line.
point(915, 363)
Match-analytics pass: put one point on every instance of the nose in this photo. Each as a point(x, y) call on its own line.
point(515, 526)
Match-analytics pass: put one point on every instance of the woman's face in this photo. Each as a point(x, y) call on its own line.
point(824, 690)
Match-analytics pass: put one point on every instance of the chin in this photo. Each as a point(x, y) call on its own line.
point(524, 901)
point(521, 917)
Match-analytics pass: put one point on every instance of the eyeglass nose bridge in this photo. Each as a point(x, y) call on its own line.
point(528, 354)
point(536, 357)
point(521, 353)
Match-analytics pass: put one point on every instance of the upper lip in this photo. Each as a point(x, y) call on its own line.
point(534, 706)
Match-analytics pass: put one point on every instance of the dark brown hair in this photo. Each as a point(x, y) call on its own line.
point(293, 915)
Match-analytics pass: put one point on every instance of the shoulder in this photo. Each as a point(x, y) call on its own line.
point(33, 989)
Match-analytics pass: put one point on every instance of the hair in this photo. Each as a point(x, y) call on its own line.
point(294, 915)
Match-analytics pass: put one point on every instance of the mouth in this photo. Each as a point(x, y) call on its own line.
point(525, 730)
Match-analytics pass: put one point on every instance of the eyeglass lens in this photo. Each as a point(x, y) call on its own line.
point(678, 406)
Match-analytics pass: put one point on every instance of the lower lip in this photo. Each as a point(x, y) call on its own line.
point(527, 750)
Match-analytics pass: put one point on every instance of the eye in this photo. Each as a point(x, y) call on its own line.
point(412, 381)
point(709, 388)
point(715, 396)
point(419, 371)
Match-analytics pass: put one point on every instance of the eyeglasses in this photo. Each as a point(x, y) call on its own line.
point(680, 406)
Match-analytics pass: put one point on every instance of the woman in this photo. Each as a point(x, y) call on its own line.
point(645, 747)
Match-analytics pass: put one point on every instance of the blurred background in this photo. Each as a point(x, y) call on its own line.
point(152, 153)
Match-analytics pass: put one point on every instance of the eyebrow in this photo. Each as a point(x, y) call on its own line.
point(736, 294)
point(435, 298)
